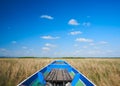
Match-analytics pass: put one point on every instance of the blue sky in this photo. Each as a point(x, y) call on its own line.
point(55, 28)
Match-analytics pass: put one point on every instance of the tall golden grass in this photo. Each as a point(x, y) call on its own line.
point(103, 72)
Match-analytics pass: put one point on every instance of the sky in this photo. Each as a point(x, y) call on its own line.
point(60, 28)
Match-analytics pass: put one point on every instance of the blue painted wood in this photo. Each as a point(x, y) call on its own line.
point(56, 64)
point(41, 78)
point(75, 79)
point(29, 80)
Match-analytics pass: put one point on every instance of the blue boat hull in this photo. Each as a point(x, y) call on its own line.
point(38, 78)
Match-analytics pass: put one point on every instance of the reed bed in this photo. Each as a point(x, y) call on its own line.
point(102, 72)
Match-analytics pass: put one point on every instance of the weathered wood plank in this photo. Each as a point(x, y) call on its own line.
point(58, 75)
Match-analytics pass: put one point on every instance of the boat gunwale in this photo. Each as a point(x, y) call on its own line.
point(82, 74)
point(51, 63)
point(33, 74)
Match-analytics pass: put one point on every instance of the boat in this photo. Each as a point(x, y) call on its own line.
point(57, 73)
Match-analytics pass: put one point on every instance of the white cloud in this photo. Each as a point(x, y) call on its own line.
point(83, 40)
point(73, 22)
point(86, 24)
point(75, 32)
point(99, 43)
point(46, 49)
point(103, 42)
point(4, 52)
point(24, 47)
point(96, 47)
point(31, 49)
point(49, 45)
point(47, 17)
point(75, 45)
point(14, 42)
point(85, 47)
point(92, 44)
point(49, 37)
point(3, 49)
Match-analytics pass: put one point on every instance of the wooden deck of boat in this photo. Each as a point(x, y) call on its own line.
point(58, 76)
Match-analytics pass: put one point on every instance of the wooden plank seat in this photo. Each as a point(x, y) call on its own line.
point(58, 76)
point(59, 63)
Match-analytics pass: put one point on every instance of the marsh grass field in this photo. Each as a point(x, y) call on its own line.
point(102, 72)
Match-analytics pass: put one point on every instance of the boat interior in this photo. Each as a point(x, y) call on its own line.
point(58, 73)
